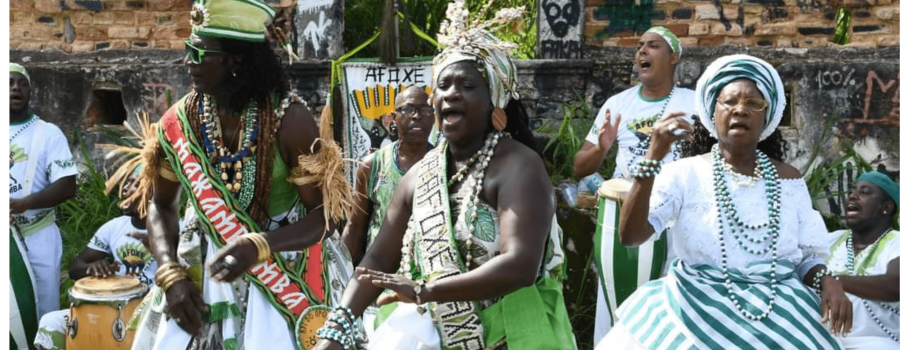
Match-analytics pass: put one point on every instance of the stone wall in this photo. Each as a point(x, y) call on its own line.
point(753, 23)
point(75, 26)
point(90, 91)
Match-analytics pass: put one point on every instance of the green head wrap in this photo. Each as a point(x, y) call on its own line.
point(17, 68)
point(669, 37)
point(884, 182)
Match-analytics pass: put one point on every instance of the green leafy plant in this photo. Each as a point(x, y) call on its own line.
point(566, 138)
point(820, 174)
point(79, 217)
point(428, 15)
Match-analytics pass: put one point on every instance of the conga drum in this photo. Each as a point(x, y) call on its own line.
point(622, 269)
point(100, 310)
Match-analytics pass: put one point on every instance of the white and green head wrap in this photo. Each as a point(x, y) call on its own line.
point(17, 68)
point(231, 19)
point(669, 37)
point(464, 41)
point(729, 68)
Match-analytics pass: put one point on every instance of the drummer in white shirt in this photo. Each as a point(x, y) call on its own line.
point(118, 248)
point(635, 110)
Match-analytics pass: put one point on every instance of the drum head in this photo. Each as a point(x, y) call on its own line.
point(615, 189)
point(95, 288)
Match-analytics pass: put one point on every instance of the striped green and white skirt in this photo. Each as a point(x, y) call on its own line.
point(23, 319)
point(690, 309)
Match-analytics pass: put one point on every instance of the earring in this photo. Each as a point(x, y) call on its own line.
point(234, 74)
point(498, 119)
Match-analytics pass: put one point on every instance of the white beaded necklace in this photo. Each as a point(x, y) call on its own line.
point(739, 178)
point(851, 263)
point(727, 211)
point(24, 127)
point(645, 143)
point(481, 159)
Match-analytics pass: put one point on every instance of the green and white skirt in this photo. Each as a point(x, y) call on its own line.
point(690, 309)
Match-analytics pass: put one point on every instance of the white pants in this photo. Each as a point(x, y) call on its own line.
point(45, 254)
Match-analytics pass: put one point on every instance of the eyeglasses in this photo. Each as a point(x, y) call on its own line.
point(424, 111)
point(754, 104)
point(195, 54)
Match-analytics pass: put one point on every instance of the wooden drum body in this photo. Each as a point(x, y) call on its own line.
point(100, 310)
point(622, 269)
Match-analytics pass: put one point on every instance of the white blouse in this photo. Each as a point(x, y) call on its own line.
point(683, 201)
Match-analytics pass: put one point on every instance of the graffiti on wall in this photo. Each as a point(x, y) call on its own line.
point(624, 16)
point(316, 29)
point(560, 28)
point(866, 97)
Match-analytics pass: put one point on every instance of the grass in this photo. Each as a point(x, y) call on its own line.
point(566, 138)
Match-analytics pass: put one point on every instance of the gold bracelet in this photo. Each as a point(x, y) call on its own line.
point(262, 246)
point(163, 274)
point(168, 276)
point(167, 266)
point(168, 270)
point(172, 282)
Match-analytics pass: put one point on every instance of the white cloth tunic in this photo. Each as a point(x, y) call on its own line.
point(49, 149)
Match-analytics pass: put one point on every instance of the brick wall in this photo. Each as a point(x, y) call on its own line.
point(75, 26)
point(753, 23)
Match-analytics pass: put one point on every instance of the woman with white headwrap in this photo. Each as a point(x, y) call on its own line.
point(471, 226)
point(735, 284)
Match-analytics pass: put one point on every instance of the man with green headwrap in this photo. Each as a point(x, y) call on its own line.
point(866, 256)
point(41, 175)
point(627, 119)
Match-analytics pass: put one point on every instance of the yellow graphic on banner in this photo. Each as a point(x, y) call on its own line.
point(374, 102)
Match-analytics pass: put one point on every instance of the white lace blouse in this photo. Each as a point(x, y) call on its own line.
point(683, 201)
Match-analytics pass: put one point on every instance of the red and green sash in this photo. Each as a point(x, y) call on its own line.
point(289, 291)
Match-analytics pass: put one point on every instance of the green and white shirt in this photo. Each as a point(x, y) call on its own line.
point(870, 261)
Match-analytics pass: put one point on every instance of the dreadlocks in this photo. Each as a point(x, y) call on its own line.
point(258, 76)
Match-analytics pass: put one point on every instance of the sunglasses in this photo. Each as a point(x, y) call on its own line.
point(195, 54)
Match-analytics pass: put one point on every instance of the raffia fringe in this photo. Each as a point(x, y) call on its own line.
point(326, 168)
point(148, 156)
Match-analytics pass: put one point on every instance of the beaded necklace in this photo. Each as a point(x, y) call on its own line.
point(645, 143)
point(739, 178)
point(24, 127)
point(482, 158)
point(485, 154)
point(728, 212)
point(242, 162)
point(851, 262)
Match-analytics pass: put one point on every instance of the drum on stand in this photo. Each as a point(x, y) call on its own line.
point(622, 269)
point(100, 311)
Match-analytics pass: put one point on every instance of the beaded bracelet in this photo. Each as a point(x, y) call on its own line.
point(347, 313)
point(646, 168)
point(817, 279)
point(335, 335)
point(341, 321)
